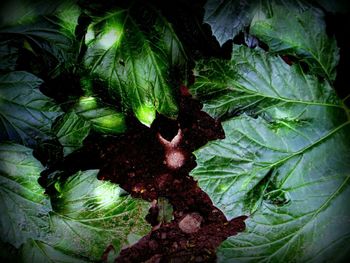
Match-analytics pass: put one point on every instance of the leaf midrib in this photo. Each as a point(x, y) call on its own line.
point(272, 165)
point(303, 150)
point(240, 88)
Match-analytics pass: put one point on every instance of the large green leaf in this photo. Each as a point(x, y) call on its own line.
point(87, 216)
point(298, 32)
point(26, 115)
point(23, 205)
point(297, 197)
point(253, 80)
point(92, 214)
point(39, 252)
point(287, 165)
point(133, 64)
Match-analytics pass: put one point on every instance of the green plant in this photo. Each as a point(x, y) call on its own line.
point(285, 159)
point(69, 70)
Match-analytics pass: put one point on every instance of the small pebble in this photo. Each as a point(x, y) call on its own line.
point(191, 223)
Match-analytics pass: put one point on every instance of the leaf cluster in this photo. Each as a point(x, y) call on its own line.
point(69, 69)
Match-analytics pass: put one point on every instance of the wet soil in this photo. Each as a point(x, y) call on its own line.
point(136, 160)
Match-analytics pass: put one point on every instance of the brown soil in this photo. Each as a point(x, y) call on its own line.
point(137, 162)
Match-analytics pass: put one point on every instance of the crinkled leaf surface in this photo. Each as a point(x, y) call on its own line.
point(227, 18)
point(299, 206)
point(26, 115)
point(87, 215)
point(285, 160)
point(254, 80)
point(291, 27)
point(71, 131)
point(39, 252)
point(300, 32)
point(91, 214)
point(135, 65)
point(23, 205)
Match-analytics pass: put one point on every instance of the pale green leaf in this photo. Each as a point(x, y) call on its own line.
point(26, 115)
point(67, 14)
point(23, 205)
point(91, 214)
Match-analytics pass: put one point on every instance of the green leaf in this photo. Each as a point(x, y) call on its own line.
point(227, 18)
point(300, 208)
point(231, 170)
point(166, 210)
point(102, 118)
point(88, 215)
point(254, 80)
point(291, 27)
point(38, 252)
point(67, 14)
point(287, 165)
point(71, 131)
point(135, 65)
point(298, 32)
point(49, 38)
point(26, 11)
point(92, 214)
point(23, 205)
point(26, 115)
